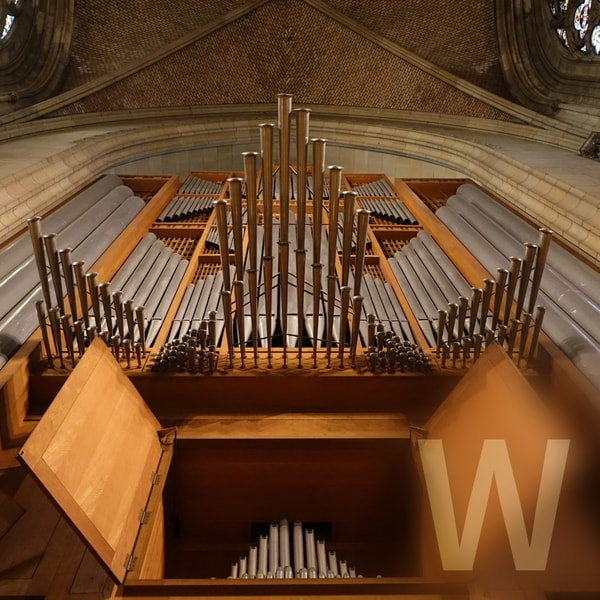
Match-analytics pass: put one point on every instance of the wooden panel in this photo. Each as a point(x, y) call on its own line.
point(94, 451)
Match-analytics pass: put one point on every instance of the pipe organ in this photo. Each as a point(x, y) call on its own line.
point(297, 324)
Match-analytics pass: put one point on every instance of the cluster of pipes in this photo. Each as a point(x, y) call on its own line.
point(234, 290)
point(272, 558)
point(77, 326)
point(457, 336)
point(569, 289)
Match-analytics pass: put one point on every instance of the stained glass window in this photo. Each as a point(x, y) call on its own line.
point(9, 21)
point(577, 24)
point(11, 13)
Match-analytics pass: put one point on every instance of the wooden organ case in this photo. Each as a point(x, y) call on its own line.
point(173, 463)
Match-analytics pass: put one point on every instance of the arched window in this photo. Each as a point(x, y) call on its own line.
point(9, 11)
point(577, 24)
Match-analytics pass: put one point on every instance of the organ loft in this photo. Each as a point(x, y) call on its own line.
point(260, 350)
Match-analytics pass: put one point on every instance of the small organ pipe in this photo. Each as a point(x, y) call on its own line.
point(362, 225)
point(41, 313)
point(221, 218)
point(35, 232)
point(499, 293)
point(357, 303)
point(302, 126)
point(106, 298)
point(540, 262)
point(476, 294)
point(488, 286)
point(524, 335)
point(141, 323)
point(51, 252)
point(79, 273)
point(117, 298)
point(54, 318)
point(440, 330)
point(238, 289)
point(284, 543)
point(92, 280)
point(463, 303)
point(345, 292)
point(80, 336)
point(540, 311)
point(67, 323)
point(298, 547)
point(349, 198)
point(513, 276)
point(528, 260)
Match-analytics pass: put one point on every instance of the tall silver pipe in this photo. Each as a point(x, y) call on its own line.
point(263, 561)
point(235, 194)
point(284, 544)
point(528, 260)
point(41, 314)
point(34, 226)
point(302, 126)
point(79, 273)
point(51, 252)
point(318, 168)
point(273, 547)
point(221, 218)
point(345, 293)
point(357, 304)
point(321, 559)
point(238, 290)
point(361, 246)
point(228, 316)
point(106, 305)
point(501, 276)
point(92, 280)
point(317, 219)
point(266, 149)
point(311, 550)
point(474, 309)
point(64, 255)
point(540, 263)
point(488, 287)
point(298, 542)
point(250, 177)
point(284, 107)
point(335, 180)
point(349, 199)
point(513, 276)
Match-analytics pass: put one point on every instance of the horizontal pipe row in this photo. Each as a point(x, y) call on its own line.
point(196, 185)
point(379, 187)
point(388, 210)
point(185, 207)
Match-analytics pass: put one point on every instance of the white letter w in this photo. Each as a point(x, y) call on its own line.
point(493, 462)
